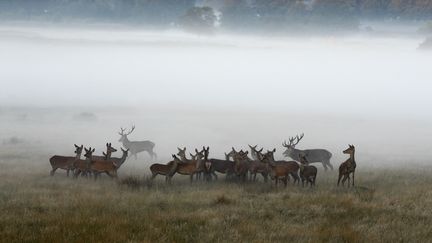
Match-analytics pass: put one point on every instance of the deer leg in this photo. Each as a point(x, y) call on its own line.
point(53, 171)
point(153, 176)
point(353, 179)
point(325, 166)
point(329, 165)
point(344, 179)
point(214, 175)
point(340, 177)
point(285, 181)
point(191, 178)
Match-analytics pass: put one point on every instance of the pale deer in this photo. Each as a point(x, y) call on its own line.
point(347, 167)
point(136, 147)
point(308, 172)
point(65, 162)
point(313, 155)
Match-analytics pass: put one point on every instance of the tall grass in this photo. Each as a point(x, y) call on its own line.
point(388, 205)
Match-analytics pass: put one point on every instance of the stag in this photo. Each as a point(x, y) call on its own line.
point(347, 167)
point(65, 162)
point(313, 155)
point(136, 147)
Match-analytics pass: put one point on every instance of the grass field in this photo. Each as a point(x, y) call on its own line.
point(388, 205)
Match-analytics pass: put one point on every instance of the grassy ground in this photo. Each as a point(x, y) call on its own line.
point(389, 205)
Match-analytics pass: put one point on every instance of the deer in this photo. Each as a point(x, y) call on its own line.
point(110, 166)
point(106, 155)
point(347, 167)
point(312, 155)
point(280, 170)
point(218, 165)
point(241, 166)
point(182, 154)
point(255, 152)
point(161, 169)
point(255, 165)
point(83, 166)
point(187, 168)
point(308, 172)
point(65, 162)
point(136, 147)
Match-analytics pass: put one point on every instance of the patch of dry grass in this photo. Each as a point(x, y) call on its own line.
point(388, 205)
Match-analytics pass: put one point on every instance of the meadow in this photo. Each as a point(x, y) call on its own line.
point(387, 205)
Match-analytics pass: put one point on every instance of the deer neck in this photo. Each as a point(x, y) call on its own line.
point(78, 156)
point(183, 158)
point(108, 155)
point(352, 159)
point(126, 142)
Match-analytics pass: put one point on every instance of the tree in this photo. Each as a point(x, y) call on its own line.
point(199, 19)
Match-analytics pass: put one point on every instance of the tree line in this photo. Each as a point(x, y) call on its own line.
point(231, 14)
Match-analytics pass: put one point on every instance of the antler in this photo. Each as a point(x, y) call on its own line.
point(122, 131)
point(298, 139)
point(133, 128)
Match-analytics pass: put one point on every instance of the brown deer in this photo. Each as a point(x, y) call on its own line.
point(241, 163)
point(83, 166)
point(65, 162)
point(161, 169)
point(347, 167)
point(280, 170)
point(222, 166)
point(308, 172)
point(191, 167)
point(255, 152)
point(105, 155)
point(256, 166)
point(109, 167)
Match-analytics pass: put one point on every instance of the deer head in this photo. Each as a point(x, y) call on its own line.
point(303, 160)
point(181, 152)
point(110, 149)
point(88, 152)
point(78, 149)
point(124, 135)
point(350, 150)
point(293, 141)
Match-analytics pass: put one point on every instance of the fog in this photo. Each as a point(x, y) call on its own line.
point(223, 90)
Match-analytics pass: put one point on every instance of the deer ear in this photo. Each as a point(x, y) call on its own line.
point(104, 154)
point(76, 146)
point(93, 150)
point(274, 150)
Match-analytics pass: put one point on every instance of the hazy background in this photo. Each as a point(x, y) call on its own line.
point(366, 84)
